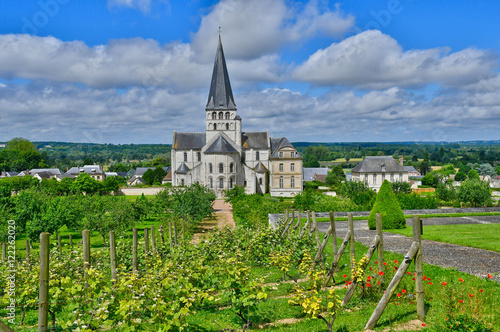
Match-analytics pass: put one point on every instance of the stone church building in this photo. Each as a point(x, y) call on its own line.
point(224, 156)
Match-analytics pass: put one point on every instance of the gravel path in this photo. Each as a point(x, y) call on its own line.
point(473, 261)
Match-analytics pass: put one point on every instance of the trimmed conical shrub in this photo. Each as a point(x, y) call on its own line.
point(387, 205)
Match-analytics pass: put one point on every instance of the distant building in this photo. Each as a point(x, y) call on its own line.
point(309, 173)
point(374, 170)
point(224, 156)
point(95, 172)
point(412, 171)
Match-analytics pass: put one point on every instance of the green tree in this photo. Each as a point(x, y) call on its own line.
point(192, 203)
point(149, 176)
point(111, 184)
point(20, 144)
point(486, 169)
point(401, 187)
point(359, 193)
point(335, 176)
point(445, 192)
point(425, 165)
point(474, 191)
point(473, 175)
point(84, 183)
point(460, 176)
point(387, 205)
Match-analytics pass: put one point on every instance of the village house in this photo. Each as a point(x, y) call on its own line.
point(374, 170)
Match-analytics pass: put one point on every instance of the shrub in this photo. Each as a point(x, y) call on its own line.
point(387, 205)
point(416, 202)
point(359, 193)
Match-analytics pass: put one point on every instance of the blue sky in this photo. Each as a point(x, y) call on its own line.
point(133, 71)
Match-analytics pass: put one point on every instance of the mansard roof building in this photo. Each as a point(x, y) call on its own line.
point(224, 156)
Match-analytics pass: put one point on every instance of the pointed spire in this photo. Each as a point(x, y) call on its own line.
point(220, 95)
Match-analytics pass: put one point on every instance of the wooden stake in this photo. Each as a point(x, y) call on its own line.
point(299, 222)
point(112, 255)
point(170, 233)
point(334, 233)
point(43, 295)
point(369, 254)
point(162, 236)
point(59, 247)
point(134, 250)
point(380, 248)
point(392, 287)
point(146, 241)
point(175, 233)
point(306, 226)
point(419, 274)
point(86, 253)
point(153, 239)
point(315, 228)
point(309, 222)
point(322, 247)
point(336, 260)
point(351, 230)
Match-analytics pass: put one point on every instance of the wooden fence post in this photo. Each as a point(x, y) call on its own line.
point(170, 233)
point(175, 233)
point(112, 255)
point(162, 235)
point(336, 260)
point(380, 248)
point(86, 253)
point(352, 256)
point(134, 250)
point(392, 286)
point(146, 241)
point(153, 239)
point(59, 246)
point(43, 295)
point(315, 228)
point(334, 233)
point(419, 274)
point(299, 222)
point(306, 226)
point(4, 252)
point(322, 247)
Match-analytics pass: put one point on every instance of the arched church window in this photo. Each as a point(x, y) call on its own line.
point(214, 115)
point(257, 155)
point(231, 183)
point(231, 168)
point(221, 183)
point(227, 126)
point(210, 168)
point(221, 168)
point(227, 115)
point(198, 155)
point(211, 183)
point(221, 116)
point(185, 156)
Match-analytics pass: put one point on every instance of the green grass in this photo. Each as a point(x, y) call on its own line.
point(482, 236)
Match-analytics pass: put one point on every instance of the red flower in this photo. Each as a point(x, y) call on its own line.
point(428, 278)
point(461, 280)
point(376, 262)
point(371, 268)
point(378, 282)
point(344, 276)
point(408, 272)
point(481, 290)
point(395, 268)
point(430, 283)
point(423, 324)
point(471, 295)
point(460, 301)
point(490, 276)
point(404, 291)
point(368, 284)
point(395, 261)
point(386, 264)
point(412, 278)
point(444, 283)
point(425, 278)
point(381, 273)
point(369, 278)
point(399, 294)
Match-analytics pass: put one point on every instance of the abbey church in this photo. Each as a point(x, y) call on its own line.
point(223, 156)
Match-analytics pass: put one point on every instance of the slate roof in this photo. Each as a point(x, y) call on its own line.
point(278, 143)
point(90, 169)
point(188, 141)
point(220, 95)
point(183, 169)
point(141, 170)
point(260, 168)
point(45, 174)
point(410, 169)
point(254, 140)
point(54, 171)
point(378, 165)
point(309, 172)
point(221, 145)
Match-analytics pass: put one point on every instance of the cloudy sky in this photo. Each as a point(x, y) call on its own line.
point(133, 71)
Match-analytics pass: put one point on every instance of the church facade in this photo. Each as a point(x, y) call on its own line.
point(224, 156)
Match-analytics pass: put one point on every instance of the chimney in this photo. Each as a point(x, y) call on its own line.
point(401, 161)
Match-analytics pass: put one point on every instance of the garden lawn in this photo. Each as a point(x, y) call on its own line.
point(484, 236)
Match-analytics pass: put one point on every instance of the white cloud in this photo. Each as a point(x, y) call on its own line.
point(143, 5)
point(372, 59)
point(253, 28)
